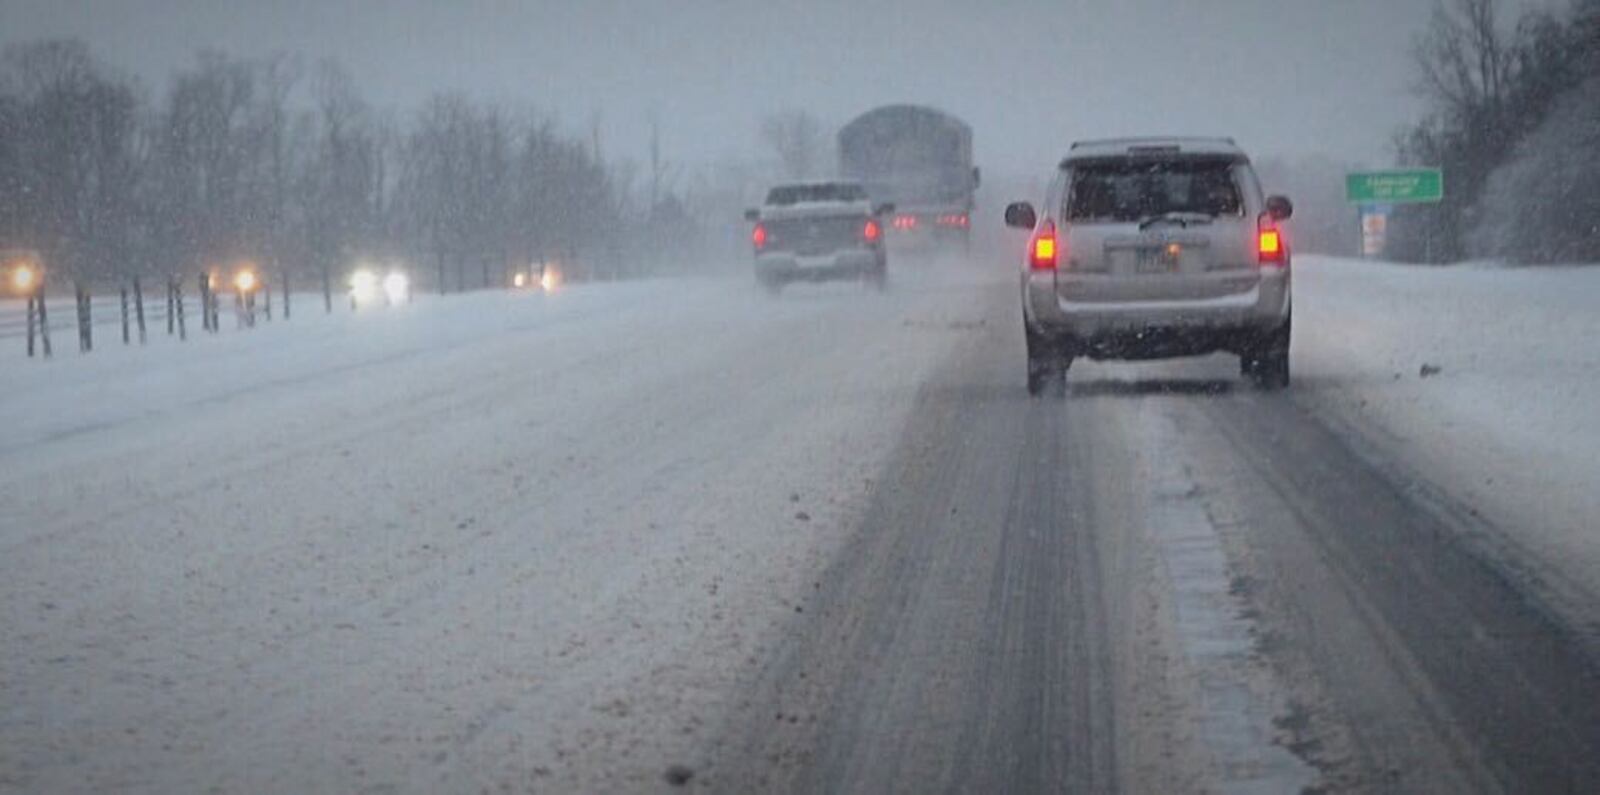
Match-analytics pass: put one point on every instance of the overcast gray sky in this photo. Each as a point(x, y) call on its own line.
point(1283, 76)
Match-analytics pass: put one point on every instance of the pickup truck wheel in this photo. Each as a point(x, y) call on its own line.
point(770, 286)
point(1272, 371)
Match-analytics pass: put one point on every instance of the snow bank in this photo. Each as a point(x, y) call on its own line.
point(1485, 378)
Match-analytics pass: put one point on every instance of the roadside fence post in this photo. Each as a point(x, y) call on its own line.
point(216, 308)
point(138, 307)
point(124, 293)
point(177, 301)
point(31, 313)
point(205, 311)
point(85, 327)
point(44, 322)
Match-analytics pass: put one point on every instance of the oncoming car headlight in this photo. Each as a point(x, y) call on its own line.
point(363, 285)
point(396, 286)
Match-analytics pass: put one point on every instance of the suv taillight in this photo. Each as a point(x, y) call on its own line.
point(871, 232)
point(758, 236)
point(1269, 242)
point(1042, 252)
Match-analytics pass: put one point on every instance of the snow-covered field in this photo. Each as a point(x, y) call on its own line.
point(1507, 424)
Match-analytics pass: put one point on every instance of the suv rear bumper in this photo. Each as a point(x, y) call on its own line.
point(1157, 329)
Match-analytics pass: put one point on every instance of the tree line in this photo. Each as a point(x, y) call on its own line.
point(264, 160)
point(1514, 122)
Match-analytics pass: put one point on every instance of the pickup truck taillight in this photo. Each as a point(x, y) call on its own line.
point(1269, 242)
point(1042, 250)
point(758, 236)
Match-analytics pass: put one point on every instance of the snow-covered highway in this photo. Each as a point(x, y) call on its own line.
point(640, 536)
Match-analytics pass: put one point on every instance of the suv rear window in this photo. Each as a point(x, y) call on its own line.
point(795, 194)
point(1131, 190)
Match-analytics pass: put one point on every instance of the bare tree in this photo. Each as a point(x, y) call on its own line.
point(68, 159)
point(341, 190)
point(797, 139)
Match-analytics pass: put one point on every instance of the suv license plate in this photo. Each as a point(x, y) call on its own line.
point(1158, 260)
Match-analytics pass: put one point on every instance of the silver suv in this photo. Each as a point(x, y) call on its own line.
point(817, 231)
point(1155, 248)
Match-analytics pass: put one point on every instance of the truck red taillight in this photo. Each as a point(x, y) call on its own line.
point(871, 232)
point(1269, 242)
point(758, 236)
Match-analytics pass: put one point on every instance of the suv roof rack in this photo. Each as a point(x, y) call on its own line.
point(1155, 140)
point(1115, 148)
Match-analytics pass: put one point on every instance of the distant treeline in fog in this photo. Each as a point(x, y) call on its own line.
point(269, 161)
point(1514, 121)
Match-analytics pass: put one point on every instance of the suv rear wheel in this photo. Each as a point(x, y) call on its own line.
point(1267, 362)
point(1048, 361)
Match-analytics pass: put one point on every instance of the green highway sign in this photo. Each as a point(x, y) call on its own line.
point(1406, 186)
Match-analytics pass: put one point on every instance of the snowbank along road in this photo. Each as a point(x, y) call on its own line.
point(674, 535)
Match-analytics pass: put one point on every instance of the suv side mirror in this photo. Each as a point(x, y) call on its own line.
point(752, 214)
point(975, 175)
point(1279, 207)
point(883, 209)
point(1021, 215)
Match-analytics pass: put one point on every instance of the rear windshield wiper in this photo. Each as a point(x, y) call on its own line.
point(1182, 218)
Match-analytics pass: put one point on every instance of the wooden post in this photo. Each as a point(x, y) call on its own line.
point(138, 307)
point(205, 309)
point(209, 316)
point(327, 289)
point(216, 307)
point(85, 333)
point(44, 322)
point(177, 299)
point(31, 312)
point(266, 298)
point(126, 338)
point(172, 312)
point(286, 294)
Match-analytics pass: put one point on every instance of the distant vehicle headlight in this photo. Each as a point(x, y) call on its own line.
point(396, 285)
point(23, 279)
point(363, 285)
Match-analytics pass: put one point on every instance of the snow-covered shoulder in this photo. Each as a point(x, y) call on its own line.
point(1482, 376)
